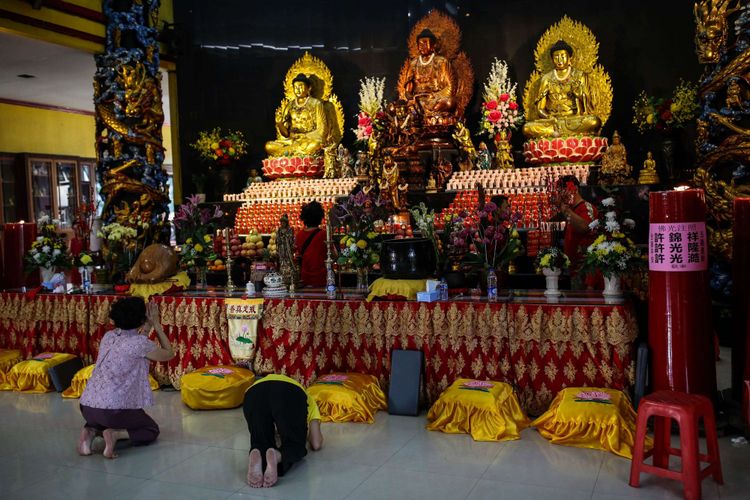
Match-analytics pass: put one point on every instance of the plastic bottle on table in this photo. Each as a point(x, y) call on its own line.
point(491, 285)
point(443, 289)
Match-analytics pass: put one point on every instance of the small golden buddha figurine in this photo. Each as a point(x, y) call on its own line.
point(648, 175)
point(431, 186)
point(563, 101)
point(615, 168)
point(301, 125)
point(429, 79)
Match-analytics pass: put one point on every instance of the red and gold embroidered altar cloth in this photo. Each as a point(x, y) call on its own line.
point(538, 348)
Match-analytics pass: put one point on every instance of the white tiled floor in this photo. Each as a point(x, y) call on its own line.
point(203, 455)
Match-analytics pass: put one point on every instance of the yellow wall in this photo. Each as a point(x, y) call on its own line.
point(44, 131)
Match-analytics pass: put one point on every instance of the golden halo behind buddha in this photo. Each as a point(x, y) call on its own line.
point(585, 58)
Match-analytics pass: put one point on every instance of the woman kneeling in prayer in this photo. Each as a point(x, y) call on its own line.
point(277, 403)
point(113, 400)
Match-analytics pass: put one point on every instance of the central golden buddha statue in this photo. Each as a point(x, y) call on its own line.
point(563, 102)
point(308, 123)
point(429, 80)
point(568, 98)
point(301, 123)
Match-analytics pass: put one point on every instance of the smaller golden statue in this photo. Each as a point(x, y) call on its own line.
point(648, 175)
point(504, 155)
point(615, 169)
point(431, 186)
point(390, 185)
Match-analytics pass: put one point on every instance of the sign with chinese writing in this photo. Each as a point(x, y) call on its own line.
point(677, 246)
point(242, 320)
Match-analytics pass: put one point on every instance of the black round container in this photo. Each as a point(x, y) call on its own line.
point(409, 258)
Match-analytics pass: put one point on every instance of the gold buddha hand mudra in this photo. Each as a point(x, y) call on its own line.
point(563, 102)
point(429, 79)
point(301, 124)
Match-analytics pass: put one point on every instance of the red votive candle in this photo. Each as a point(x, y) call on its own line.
point(17, 240)
point(680, 334)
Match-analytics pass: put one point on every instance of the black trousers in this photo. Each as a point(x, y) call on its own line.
point(277, 406)
point(141, 428)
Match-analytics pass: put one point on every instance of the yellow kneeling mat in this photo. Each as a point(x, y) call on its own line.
point(348, 397)
point(216, 387)
point(487, 410)
point(31, 375)
point(8, 358)
point(81, 378)
point(589, 417)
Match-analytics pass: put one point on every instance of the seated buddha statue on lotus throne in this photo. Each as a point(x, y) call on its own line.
point(568, 98)
point(308, 124)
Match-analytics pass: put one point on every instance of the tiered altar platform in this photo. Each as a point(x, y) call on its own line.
point(536, 346)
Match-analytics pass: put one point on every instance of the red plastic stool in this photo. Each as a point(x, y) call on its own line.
point(686, 409)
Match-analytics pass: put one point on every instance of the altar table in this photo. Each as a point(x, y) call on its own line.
point(537, 347)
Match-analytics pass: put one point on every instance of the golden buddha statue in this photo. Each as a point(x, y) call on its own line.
point(301, 123)
point(437, 79)
point(568, 94)
point(429, 79)
point(563, 102)
point(648, 175)
point(615, 168)
point(309, 122)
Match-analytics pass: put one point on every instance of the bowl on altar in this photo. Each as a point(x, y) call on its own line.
point(411, 258)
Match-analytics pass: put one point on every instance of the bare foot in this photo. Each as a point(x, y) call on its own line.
point(84, 441)
point(111, 436)
point(272, 467)
point(255, 469)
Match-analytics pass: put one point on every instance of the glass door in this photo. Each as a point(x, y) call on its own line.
point(41, 188)
point(67, 195)
point(8, 190)
point(85, 182)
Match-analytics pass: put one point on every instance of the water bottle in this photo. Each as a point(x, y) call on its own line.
point(443, 289)
point(330, 284)
point(86, 280)
point(491, 285)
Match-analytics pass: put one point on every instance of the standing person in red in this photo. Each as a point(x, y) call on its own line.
point(578, 235)
point(311, 246)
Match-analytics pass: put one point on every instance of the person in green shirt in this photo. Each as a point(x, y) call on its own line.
point(279, 404)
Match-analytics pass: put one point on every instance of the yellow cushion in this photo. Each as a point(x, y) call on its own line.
point(8, 358)
point(31, 375)
point(348, 397)
point(215, 387)
point(81, 378)
point(383, 287)
point(487, 410)
point(589, 417)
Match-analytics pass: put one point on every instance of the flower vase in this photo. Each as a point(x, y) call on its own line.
point(46, 273)
point(552, 276)
point(363, 284)
point(612, 287)
point(200, 277)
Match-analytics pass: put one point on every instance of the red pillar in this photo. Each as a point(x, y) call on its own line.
point(741, 295)
point(680, 333)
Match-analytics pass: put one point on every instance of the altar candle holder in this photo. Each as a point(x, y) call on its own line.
point(230, 283)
